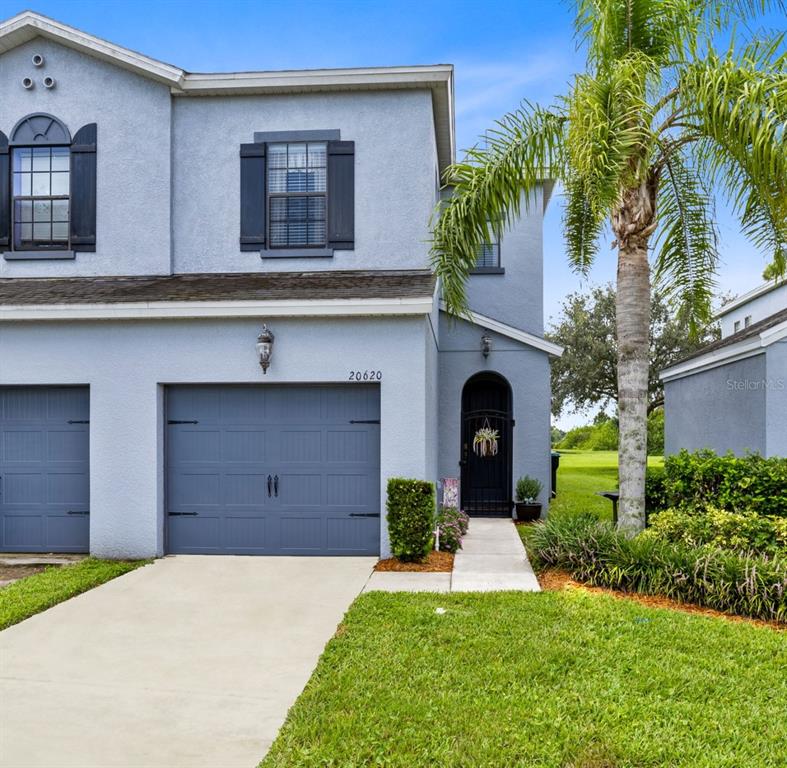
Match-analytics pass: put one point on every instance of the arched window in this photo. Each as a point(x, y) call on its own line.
point(40, 183)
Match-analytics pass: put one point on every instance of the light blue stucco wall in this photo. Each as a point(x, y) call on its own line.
point(126, 365)
point(722, 408)
point(516, 297)
point(525, 368)
point(133, 155)
point(776, 399)
point(395, 162)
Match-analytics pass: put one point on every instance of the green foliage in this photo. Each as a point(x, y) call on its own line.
point(744, 532)
point(655, 489)
point(36, 593)
point(656, 432)
point(586, 375)
point(596, 553)
point(556, 435)
point(452, 524)
point(528, 488)
point(729, 482)
point(411, 513)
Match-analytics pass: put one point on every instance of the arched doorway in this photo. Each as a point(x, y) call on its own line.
point(486, 470)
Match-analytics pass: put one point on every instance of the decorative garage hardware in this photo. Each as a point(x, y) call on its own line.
point(486, 345)
point(364, 514)
point(78, 512)
point(265, 347)
point(179, 421)
point(485, 441)
point(78, 421)
point(364, 421)
point(276, 486)
point(270, 480)
point(183, 514)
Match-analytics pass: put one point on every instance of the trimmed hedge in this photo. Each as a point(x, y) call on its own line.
point(597, 554)
point(411, 517)
point(730, 482)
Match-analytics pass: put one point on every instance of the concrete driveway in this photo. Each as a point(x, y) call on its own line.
point(191, 661)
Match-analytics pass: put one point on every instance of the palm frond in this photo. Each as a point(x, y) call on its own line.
point(736, 109)
point(488, 190)
point(582, 225)
point(686, 242)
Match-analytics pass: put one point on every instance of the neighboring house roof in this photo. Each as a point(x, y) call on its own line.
point(215, 294)
point(754, 293)
point(438, 78)
point(504, 329)
point(747, 342)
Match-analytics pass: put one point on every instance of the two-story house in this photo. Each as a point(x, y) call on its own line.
point(219, 331)
point(732, 394)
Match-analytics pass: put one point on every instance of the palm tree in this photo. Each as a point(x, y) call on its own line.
point(661, 118)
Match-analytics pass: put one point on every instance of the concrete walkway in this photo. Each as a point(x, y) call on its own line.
point(191, 661)
point(492, 558)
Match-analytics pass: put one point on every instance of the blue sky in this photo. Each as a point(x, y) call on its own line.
point(503, 51)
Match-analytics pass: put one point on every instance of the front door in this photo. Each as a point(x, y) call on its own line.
point(486, 458)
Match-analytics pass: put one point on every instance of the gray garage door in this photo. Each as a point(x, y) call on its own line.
point(279, 470)
point(44, 469)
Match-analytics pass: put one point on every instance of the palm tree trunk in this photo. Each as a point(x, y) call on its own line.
point(632, 222)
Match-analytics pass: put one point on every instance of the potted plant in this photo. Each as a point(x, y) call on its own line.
point(527, 492)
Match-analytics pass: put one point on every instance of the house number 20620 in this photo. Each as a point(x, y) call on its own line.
point(366, 375)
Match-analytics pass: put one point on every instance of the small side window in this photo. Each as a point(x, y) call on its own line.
point(747, 321)
point(737, 326)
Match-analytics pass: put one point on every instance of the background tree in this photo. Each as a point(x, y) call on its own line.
point(586, 376)
point(661, 117)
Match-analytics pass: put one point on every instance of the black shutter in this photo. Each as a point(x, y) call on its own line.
point(252, 197)
point(83, 188)
point(341, 195)
point(5, 193)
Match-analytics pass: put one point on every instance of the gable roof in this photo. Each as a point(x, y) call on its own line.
point(747, 342)
point(436, 78)
point(754, 293)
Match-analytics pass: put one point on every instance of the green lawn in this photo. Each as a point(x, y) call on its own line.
point(36, 593)
point(556, 679)
point(581, 474)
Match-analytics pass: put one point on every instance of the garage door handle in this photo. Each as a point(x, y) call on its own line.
point(176, 421)
point(270, 480)
point(364, 421)
point(78, 512)
point(183, 514)
point(364, 514)
point(276, 485)
point(78, 421)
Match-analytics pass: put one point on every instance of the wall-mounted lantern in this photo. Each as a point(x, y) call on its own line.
point(486, 345)
point(265, 347)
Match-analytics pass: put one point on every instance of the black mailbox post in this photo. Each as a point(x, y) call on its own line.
point(555, 465)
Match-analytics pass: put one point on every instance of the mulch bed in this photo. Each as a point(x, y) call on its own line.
point(436, 562)
point(553, 579)
point(8, 572)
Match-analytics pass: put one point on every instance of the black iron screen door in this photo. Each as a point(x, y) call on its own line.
point(486, 457)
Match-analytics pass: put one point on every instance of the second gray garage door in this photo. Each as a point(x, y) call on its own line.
point(280, 470)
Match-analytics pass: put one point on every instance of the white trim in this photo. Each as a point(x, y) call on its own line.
point(745, 298)
point(27, 25)
point(728, 354)
point(512, 333)
point(150, 310)
point(438, 78)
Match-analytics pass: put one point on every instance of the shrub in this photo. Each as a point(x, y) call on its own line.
point(730, 482)
point(596, 553)
point(714, 527)
point(452, 524)
point(528, 488)
point(656, 432)
point(411, 505)
point(655, 489)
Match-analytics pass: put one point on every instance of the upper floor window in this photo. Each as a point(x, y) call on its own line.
point(41, 197)
point(747, 321)
point(737, 326)
point(47, 189)
point(297, 194)
point(488, 257)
